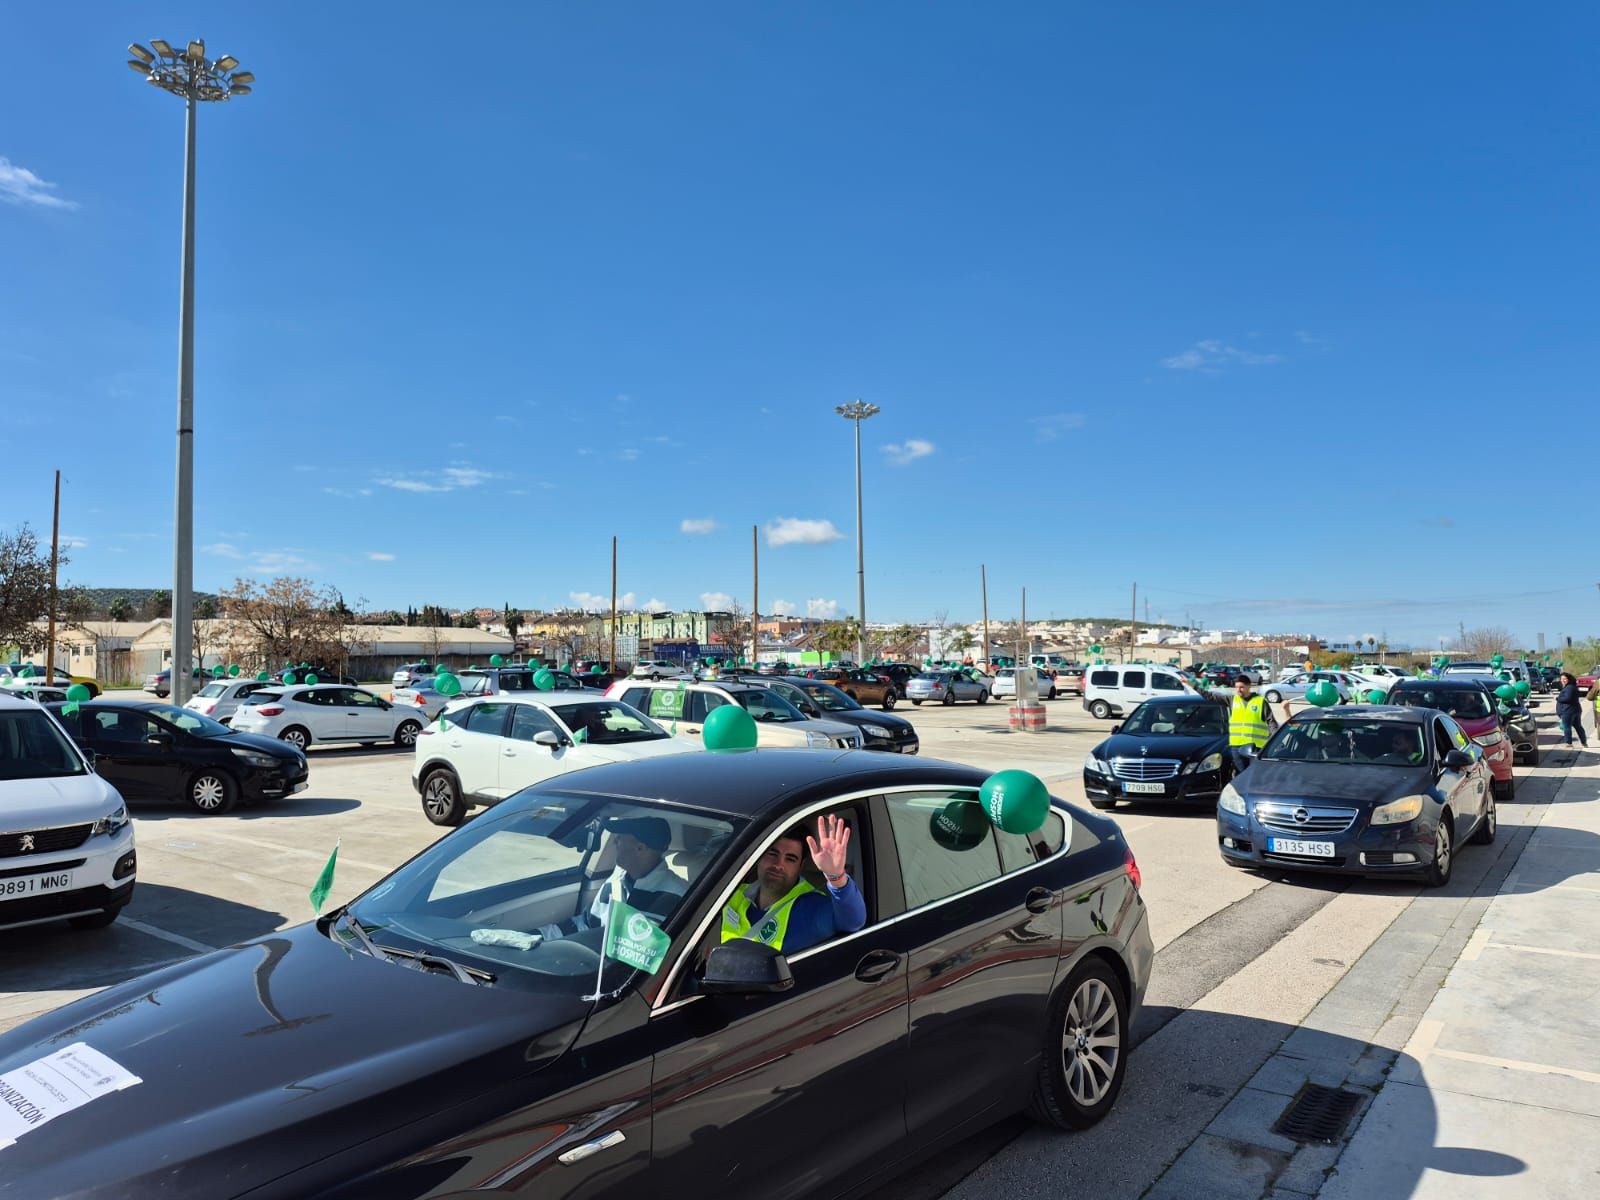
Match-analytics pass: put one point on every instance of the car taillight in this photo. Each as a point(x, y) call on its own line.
point(270, 710)
point(204, 706)
point(420, 702)
point(1133, 872)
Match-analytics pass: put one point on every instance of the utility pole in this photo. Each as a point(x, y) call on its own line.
point(55, 552)
point(612, 665)
point(1133, 631)
point(856, 412)
point(755, 598)
point(1024, 642)
point(983, 582)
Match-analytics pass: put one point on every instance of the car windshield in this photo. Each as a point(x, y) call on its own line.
point(490, 895)
point(829, 698)
point(766, 705)
point(32, 746)
point(1188, 719)
point(1353, 742)
point(189, 721)
point(609, 722)
point(1462, 703)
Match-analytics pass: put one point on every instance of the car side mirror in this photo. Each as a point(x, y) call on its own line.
point(1457, 760)
point(163, 740)
point(547, 737)
point(743, 967)
point(89, 757)
point(1116, 729)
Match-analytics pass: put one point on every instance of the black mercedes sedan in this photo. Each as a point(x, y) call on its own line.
point(439, 1036)
point(152, 751)
point(1167, 749)
point(1368, 790)
point(821, 700)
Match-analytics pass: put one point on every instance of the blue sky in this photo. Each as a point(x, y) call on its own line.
point(1287, 314)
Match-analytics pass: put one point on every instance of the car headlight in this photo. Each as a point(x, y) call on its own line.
point(1493, 738)
point(1399, 812)
point(1211, 762)
point(254, 757)
point(877, 731)
point(817, 739)
point(1231, 801)
point(111, 823)
point(1095, 766)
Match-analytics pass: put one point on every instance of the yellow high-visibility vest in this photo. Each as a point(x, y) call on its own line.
point(1247, 722)
point(774, 922)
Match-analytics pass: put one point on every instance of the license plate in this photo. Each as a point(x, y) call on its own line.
point(1307, 849)
point(33, 885)
point(1154, 789)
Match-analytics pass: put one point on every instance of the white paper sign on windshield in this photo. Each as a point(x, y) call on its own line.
point(38, 1092)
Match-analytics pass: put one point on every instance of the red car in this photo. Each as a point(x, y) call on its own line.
point(1470, 704)
point(1587, 681)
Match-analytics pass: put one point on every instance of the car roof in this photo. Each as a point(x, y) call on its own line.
point(1398, 713)
point(1459, 680)
point(548, 699)
point(756, 783)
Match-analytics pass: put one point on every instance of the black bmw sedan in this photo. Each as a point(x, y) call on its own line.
point(1368, 790)
point(1167, 749)
point(150, 751)
point(819, 699)
point(437, 1037)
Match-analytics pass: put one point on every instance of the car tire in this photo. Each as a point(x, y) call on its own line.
point(888, 702)
point(1532, 760)
point(983, 697)
point(949, 698)
point(1444, 852)
point(212, 792)
point(1076, 1087)
point(916, 704)
point(95, 920)
point(1488, 824)
point(1505, 792)
point(441, 798)
point(1100, 710)
point(406, 735)
point(1274, 697)
point(296, 737)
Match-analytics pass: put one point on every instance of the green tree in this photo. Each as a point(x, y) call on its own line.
point(120, 609)
point(838, 637)
point(511, 618)
point(158, 605)
point(24, 587)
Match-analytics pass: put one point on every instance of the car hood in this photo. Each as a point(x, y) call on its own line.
point(1269, 779)
point(260, 742)
point(265, 1057)
point(860, 716)
point(41, 803)
point(1160, 745)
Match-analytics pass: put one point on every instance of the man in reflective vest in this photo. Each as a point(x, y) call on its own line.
point(780, 909)
point(1250, 724)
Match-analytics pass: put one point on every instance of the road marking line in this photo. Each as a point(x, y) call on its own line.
point(1423, 1039)
point(1512, 1064)
point(320, 856)
point(177, 939)
point(1475, 944)
point(1543, 950)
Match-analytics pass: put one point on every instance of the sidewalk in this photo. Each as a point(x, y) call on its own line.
point(1497, 1093)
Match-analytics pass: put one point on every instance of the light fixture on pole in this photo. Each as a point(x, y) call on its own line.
point(190, 75)
point(858, 412)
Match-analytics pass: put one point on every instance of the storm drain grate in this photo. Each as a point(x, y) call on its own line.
point(1318, 1114)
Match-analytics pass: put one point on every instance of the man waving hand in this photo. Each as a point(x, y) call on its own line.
point(781, 909)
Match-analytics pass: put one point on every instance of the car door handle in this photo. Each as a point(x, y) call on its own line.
point(1038, 900)
point(878, 964)
point(509, 752)
point(691, 729)
point(578, 1153)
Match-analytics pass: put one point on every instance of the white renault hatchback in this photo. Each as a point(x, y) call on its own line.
point(482, 750)
point(326, 712)
point(66, 844)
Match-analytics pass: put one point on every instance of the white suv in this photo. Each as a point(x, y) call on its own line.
point(482, 750)
point(657, 668)
point(686, 704)
point(326, 712)
point(65, 837)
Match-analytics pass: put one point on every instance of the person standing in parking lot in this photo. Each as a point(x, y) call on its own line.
point(1250, 723)
point(1569, 709)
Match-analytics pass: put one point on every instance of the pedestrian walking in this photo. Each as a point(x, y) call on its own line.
point(1569, 709)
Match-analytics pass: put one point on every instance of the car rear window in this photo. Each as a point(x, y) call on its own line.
point(1462, 703)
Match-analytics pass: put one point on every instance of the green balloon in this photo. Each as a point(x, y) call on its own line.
point(729, 727)
point(1506, 692)
point(1497, 661)
point(311, 677)
point(78, 693)
point(1523, 687)
point(1376, 697)
point(596, 669)
point(446, 684)
point(233, 670)
point(1322, 693)
point(1015, 801)
point(289, 677)
point(218, 671)
point(544, 681)
point(262, 677)
point(497, 660)
point(959, 825)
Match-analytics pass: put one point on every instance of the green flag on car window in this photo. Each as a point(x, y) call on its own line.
point(633, 939)
point(324, 883)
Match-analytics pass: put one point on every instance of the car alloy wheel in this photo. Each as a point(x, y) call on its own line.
point(1443, 851)
point(441, 799)
point(1488, 825)
point(406, 735)
point(1091, 1042)
point(295, 736)
point(1274, 697)
point(1085, 1051)
point(211, 792)
point(949, 696)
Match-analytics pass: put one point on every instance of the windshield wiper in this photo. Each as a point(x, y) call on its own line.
point(348, 921)
point(473, 975)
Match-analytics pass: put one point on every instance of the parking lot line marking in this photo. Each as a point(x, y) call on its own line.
point(1512, 1064)
point(1423, 1038)
point(1543, 950)
point(320, 856)
point(177, 939)
point(1475, 944)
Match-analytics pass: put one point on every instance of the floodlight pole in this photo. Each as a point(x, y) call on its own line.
point(183, 538)
point(857, 412)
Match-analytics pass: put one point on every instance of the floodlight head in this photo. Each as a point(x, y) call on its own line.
point(162, 47)
point(142, 67)
point(197, 50)
point(141, 53)
point(227, 62)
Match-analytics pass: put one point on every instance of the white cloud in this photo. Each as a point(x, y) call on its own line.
point(20, 186)
point(716, 601)
point(222, 550)
point(1212, 355)
point(589, 601)
point(787, 531)
point(71, 541)
point(629, 454)
point(654, 605)
point(908, 451)
point(450, 479)
point(783, 608)
point(825, 610)
point(268, 562)
point(697, 525)
point(379, 556)
point(1052, 425)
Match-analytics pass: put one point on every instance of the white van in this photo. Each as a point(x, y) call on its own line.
point(1113, 691)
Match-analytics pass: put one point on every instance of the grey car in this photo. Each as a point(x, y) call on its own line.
point(945, 687)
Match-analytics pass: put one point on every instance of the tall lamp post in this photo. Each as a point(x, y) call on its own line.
point(858, 412)
point(189, 74)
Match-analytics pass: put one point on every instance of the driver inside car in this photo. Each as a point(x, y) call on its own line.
point(641, 876)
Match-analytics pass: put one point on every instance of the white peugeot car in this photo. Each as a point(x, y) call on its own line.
point(221, 698)
point(482, 750)
point(326, 712)
point(65, 837)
